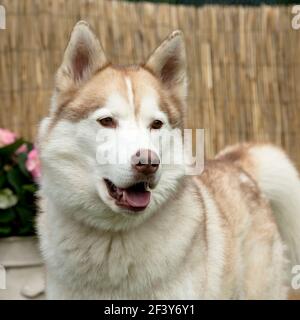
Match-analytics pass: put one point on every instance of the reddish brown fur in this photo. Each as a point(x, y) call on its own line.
point(75, 104)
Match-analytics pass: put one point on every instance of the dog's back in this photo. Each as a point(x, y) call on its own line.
point(279, 182)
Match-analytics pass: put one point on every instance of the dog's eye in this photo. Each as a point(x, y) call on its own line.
point(107, 122)
point(156, 124)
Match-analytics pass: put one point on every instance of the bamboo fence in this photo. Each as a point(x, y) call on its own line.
point(244, 62)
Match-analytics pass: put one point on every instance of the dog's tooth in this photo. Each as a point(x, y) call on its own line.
point(146, 186)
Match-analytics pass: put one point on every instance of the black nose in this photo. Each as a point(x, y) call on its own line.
point(145, 161)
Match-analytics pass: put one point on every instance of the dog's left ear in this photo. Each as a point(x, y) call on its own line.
point(168, 62)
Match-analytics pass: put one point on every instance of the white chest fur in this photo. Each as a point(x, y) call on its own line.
point(155, 260)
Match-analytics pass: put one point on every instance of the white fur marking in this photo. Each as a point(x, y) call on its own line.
point(130, 92)
point(244, 178)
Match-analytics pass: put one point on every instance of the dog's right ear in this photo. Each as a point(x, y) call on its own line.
point(83, 57)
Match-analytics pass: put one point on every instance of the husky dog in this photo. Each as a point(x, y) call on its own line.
point(141, 229)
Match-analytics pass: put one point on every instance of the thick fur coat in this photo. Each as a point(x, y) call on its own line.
point(232, 232)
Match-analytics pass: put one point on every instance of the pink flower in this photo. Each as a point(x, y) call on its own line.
point(6, 137)
point(33, 164)
point(22, 149)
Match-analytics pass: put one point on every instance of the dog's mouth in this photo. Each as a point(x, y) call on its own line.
point(135, 198)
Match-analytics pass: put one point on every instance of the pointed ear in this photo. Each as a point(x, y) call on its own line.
point(83, 57)
point(168, 62)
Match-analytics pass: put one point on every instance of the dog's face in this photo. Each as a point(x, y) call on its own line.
point(109, 127)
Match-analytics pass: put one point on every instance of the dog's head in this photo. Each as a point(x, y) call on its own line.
point(101, 147)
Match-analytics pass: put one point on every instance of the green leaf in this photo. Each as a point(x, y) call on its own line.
point(22, 157)
point(2, 179)
point(7, 199)
point(26, 230)
point(8, 150)
point(15, 179)
point(30, 146)
point(32, 188)
point(26, 215)
point(7, 216)
point(27, 221)
point(5, 231)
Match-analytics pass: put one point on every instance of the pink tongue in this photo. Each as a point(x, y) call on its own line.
point(137, 199)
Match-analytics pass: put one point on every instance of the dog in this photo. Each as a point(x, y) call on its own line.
point(142, 229)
